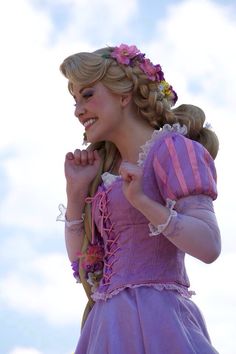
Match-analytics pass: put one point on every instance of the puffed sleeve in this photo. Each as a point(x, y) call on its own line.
point(183, 167)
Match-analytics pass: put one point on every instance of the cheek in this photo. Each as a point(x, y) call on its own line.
point(97, 104)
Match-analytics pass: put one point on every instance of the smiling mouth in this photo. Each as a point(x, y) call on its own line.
point(89, 122)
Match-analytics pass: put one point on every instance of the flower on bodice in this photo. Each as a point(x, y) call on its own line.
point(92, 263)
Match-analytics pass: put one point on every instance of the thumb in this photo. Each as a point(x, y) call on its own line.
point(125, 174)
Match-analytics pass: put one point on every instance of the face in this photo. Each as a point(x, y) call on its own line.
point(98, 110)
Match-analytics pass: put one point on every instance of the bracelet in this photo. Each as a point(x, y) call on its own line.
point(62, 217)
point(157, 230)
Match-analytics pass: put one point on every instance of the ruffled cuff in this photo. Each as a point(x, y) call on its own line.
point(156, 230)
point(69, 224)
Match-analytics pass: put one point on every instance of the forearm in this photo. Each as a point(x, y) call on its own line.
point(75, 201)
point(194, 230)
point(74, 241)
point(74, 234)
point(81, 167)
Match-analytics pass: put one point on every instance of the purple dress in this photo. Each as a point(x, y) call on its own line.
point(142, 304)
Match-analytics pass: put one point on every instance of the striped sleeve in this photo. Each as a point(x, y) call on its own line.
point(184, 167)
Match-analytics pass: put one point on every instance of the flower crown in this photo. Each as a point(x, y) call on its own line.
point(131, 55)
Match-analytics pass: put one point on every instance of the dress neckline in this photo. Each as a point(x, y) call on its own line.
point(109, 178)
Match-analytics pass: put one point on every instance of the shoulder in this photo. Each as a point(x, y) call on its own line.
point(183, 165)
point(177, 146)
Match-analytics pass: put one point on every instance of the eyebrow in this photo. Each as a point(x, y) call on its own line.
point(81, 91)
point(84, 88)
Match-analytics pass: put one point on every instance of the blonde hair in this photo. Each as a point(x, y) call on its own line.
point(89, 68)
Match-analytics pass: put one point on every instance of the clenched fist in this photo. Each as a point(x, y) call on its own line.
point(132, 186)
point(81, 168)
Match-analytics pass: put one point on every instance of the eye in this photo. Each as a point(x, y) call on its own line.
point(87, 94)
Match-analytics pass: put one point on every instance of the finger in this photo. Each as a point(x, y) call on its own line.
point(125, 168)
point(130, 172)
point(77, 156)
point(84, 157)
point(125, 174)
point(69, 156)
point(90, 157)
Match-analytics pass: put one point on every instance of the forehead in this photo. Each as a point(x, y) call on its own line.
point(75, 88)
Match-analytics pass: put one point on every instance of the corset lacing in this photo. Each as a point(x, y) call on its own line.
point(101, 201)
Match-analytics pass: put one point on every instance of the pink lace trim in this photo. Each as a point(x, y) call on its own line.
point(181, 290)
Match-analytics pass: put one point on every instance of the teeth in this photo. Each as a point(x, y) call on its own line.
point(89, 122)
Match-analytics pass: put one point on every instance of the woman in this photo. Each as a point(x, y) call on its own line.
point(139, 198)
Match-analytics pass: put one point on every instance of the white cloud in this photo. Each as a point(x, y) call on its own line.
point(44, 284)
point(195, 44)
point(99, 20)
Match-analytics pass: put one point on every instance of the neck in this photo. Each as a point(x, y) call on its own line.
point(131, 137)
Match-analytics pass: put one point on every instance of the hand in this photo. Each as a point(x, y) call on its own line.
point(81, 168)
point(132, 185)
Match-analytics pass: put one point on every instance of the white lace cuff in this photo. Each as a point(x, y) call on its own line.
point(62, 217)
point(157, 230)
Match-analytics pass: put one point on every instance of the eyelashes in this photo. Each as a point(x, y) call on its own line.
point(87, 94)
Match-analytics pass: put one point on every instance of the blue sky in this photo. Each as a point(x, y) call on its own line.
point(40, 304)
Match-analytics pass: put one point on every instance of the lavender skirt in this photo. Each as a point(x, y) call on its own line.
point(145, 321)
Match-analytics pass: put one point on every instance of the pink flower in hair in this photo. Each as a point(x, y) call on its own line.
point(153, 72)
point(124, 53)
point(149, 69)
point(131, 55)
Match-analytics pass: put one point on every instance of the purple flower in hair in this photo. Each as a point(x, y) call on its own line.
point(159, 72)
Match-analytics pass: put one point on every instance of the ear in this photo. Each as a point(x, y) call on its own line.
point(125, 99)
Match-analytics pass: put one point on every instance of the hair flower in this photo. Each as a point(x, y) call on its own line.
point(149, 69)
point(131, 56)
point(124, 53)
point(159, 72)
point(168, 91)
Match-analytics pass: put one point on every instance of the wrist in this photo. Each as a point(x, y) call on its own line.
point(76, 192)
point(140, 201)
point(76, 197)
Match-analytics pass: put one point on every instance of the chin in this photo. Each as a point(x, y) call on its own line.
point(95, 137)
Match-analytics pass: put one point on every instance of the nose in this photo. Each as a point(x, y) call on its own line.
point(79, 110)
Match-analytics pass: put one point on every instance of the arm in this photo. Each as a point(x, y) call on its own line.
point(194, 229)
point(81, 168)
point(74, 234)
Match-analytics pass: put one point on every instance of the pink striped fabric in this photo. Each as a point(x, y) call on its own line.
point(183, 167)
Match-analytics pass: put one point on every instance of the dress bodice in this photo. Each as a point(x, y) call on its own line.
point(173, 167)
